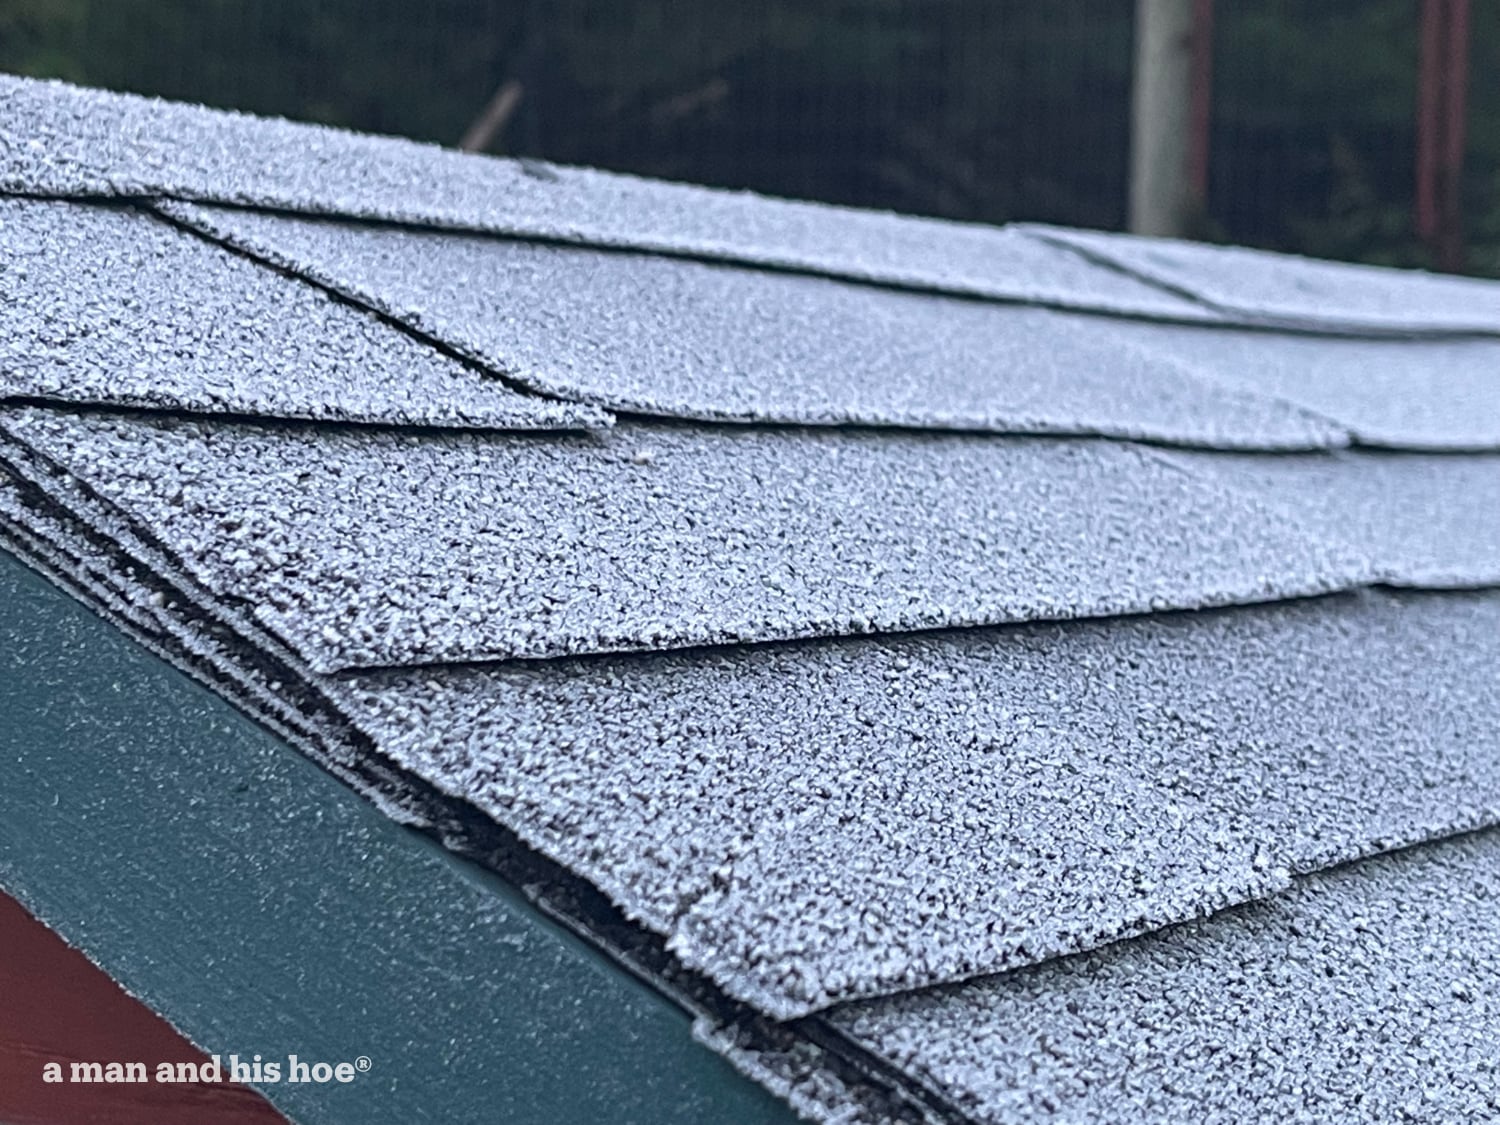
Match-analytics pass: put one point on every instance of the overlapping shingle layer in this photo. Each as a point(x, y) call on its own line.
point(1364, 994)
point(637, 332)
point(110, 305)
point(368, 549)
point(712, 341)
point(861, 719)
point(1293, 290)
point(809, 824)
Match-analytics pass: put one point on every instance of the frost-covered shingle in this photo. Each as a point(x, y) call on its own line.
point(1424, 520)
point(664, 336)
point(109, 305)
point(372, 548)
point(1410, 394)
point(1365, 994)
point(813, 822)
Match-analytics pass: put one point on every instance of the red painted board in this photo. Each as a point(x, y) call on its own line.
point(56, 1006)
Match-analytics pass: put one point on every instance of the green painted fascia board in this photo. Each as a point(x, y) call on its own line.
point(263, 907)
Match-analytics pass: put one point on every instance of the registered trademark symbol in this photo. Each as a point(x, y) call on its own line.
point(362, 1063)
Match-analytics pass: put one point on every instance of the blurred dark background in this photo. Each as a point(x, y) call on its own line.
point(972, 109)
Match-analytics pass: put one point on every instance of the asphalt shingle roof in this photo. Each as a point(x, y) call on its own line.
point(809, 824)
point(926, 739)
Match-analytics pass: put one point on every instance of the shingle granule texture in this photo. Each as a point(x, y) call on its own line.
point(809, 823)
point(689, 339)
point(57, 139)
point(1426, 520)
point(114, 306)
point(366, 548)
point(1422, 394)
point(1283, 287)
point(1365, 994)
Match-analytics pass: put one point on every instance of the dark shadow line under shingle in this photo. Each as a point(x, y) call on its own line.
point(780, 644)
point(1036, 433)
point(287, 423)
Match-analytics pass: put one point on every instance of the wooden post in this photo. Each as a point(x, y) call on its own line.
point(1201, 105)
point(1169, 115)
point(1442, 94)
